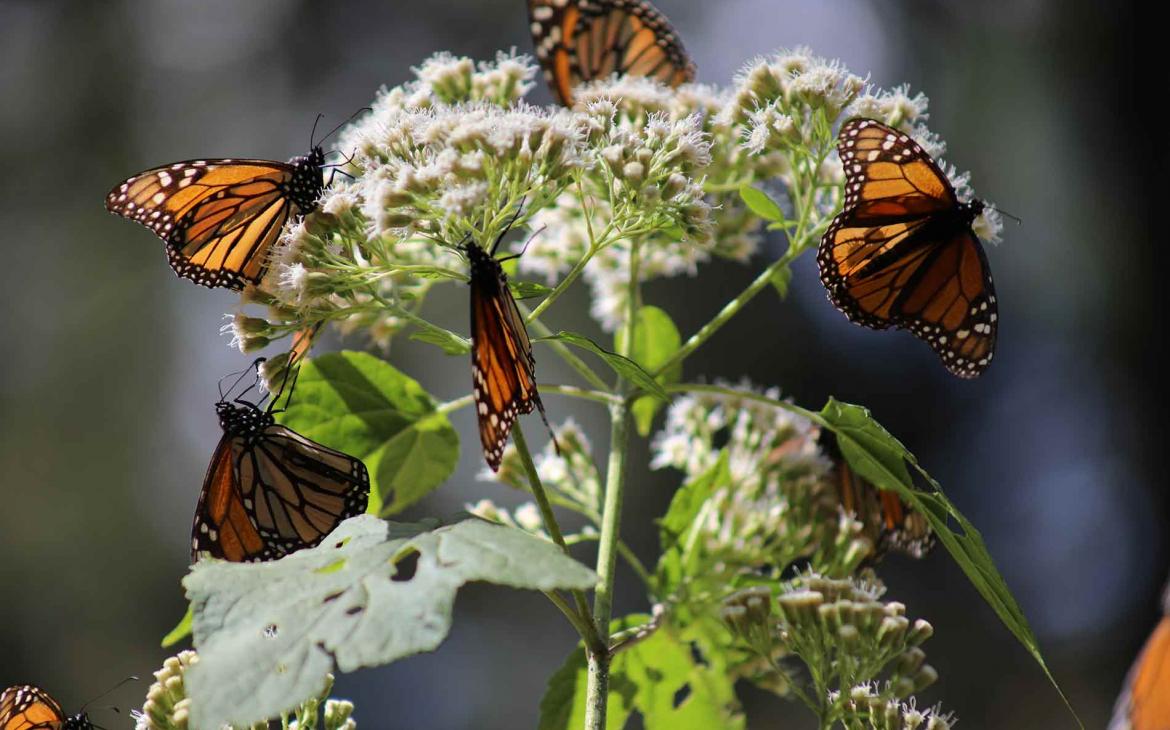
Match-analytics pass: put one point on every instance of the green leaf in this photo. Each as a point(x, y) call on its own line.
point(674, 528)
point(781, 281)
point(373, 592)
point(656, 338)
point(880, 458)
point(623, 366)
point(761, 204)
point(180, 632)
point(528, 289)
point(657, 678)
point(356, 403)
point(451, 343)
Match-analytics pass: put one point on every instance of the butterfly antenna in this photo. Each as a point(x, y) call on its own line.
point(512, 222)
point(536, 233)
point(551, 434)
point(351, 117)
point(131, 678)
point(255, 383)
point(1009, 215)
point(313, 134)
point(241, 373)
point(293, 368)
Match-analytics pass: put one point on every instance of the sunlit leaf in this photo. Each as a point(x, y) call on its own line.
point(623, 366)
point(761, 204)
point(451, 343)
point(373, 592)
point(528, 289)
point(180, 632)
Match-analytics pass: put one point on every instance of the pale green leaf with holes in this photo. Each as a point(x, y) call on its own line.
point(373, 592)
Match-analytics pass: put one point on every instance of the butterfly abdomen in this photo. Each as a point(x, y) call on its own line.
point(308, 180)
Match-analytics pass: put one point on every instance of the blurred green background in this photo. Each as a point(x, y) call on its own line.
point(110, 363)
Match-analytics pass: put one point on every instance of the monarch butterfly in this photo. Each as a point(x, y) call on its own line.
point(270, 491)
point(902, 252)
point(890, 523)
point(25, 707)
point(582, 40)
point(503, 371)
point(1144, 703)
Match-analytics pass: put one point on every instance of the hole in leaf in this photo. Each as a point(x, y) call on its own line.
point(697, 654)
point(681, 696)
point(334, 596)
point(406, 567)
point(270, 631)
point(353, 610)
point(333, 567)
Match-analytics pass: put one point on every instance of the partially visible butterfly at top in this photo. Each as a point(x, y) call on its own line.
point(585, 40)
point(902, 252)
point(270, 491)
point(220, 218)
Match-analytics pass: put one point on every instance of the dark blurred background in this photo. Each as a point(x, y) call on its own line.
point(110, 363)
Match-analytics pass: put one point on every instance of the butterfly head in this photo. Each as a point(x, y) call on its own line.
point(241, 418)
point(308, 179)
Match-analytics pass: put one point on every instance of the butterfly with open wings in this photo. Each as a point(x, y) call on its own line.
point(25, 707)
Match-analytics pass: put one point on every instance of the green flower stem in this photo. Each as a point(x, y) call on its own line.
point(564, 284)
point(745, 395)
point(731, 309)
point(597, 683)
point(454, 405)
point(575, 392)
point(624, 551)
point(590, 636)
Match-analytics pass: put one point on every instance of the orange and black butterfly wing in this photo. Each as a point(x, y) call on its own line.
point(902, 252)
point(503, 369)
point(25, 707)
point(298, 491)
point(220, 218)
point(583, 40)
point(223, 526)
point(1145, 700)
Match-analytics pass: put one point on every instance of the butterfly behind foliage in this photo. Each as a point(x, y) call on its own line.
point(889, 523)
point(25, 707)
point(270, 491)
point(502, 367)
point(584, 40)
point(902, 252)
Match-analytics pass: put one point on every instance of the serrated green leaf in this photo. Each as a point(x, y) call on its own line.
point(656, 339)
point(451, 343)
point(268, 633)
point(356, 403)
point(880, 458)
point(528, 289)
point(658, 678)
point(623, 366)
point(180, 632)
point(761, 204)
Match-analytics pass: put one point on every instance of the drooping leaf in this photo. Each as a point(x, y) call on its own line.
point(623, 366)
point(761, 204)
point(781, 281)
point(356, 403)
point(675, 526)
point(451, 343)
point(373, 592)
point(658, 678)
point(656, 338)
point(180, 632)
point(880, 458)
point(528, 289)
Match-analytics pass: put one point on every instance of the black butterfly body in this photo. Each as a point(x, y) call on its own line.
point(221, 217)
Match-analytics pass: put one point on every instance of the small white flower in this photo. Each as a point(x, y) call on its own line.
point(528, 517)
point(988, 225)
point(460, 200)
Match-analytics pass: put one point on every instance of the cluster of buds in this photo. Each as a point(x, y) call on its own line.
point(841, 628)
point(167, 706)
point(865, 708)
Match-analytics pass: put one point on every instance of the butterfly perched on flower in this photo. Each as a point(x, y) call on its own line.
point(889, 523)
point(270, 491)
point(902, 252)
point(25, 707)
point(584, 40)
point(1144, 703)
point(503, 371)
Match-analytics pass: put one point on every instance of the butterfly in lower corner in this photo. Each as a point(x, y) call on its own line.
point(1144, 703)
point(584, 40)
point(887, 520)
point(902, 253)
point(270, 491)
point(25, 707)
point(502, 367)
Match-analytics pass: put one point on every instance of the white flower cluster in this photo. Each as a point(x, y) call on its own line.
point(569, 473)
